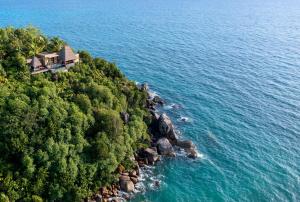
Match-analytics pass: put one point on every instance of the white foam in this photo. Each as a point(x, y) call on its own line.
point(152, 94)
point(184, 119)
point(172, 106)
point(167, 107)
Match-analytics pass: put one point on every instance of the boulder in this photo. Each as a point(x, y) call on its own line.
point(153, 127)
point(165, 147)
point(192, 153)
point(166, 128)
point(144, 87)
point(116, 200)
point(151, 154)
point(104, 191)
point(158, 100)
point(134, 180)
point(141, 163)
point(133, 173)
point(155, 116)
point(124, 178)
point(137, 170)
point(126, 185)
point(115, 192)
point(150, 104)
point(125, 117)
point(165, 124)
point(98, 197)
point(185, 144)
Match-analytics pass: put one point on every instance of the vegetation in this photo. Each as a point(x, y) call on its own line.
point(61, 136)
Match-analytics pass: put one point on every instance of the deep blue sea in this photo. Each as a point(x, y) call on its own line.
point(233, 66)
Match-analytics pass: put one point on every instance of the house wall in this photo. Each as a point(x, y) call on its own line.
point(77, 58)
point(43, 60)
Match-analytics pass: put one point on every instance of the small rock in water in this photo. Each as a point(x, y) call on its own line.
point(184, 119)
point(156, 183)
point(175, 106)
point(192, 153)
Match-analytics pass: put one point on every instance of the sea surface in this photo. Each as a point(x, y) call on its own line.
point(233, 67)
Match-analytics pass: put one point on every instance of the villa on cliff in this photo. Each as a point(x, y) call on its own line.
point(53, 62)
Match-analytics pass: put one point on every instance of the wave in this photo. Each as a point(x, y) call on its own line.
point(152, 94)
point(148, 180)
point(172, 106)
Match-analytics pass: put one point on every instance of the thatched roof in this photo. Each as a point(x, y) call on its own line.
point(35, 62)
point(66, 54)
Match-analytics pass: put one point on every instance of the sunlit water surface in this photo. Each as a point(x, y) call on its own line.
point(233, 66)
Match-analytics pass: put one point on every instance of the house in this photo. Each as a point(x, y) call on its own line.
point(54, 62)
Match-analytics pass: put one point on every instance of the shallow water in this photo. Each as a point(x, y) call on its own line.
point(232, 66)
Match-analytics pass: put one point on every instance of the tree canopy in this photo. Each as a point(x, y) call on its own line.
point(62, 136)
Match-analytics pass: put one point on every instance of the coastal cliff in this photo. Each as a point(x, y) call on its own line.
point(76, 135)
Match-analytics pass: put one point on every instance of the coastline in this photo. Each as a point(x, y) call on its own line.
point(109, 130)
point(164, 143)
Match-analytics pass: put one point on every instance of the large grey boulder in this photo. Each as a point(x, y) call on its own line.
point(165, 124)
point(164, 147)
point(166, 128)
point(151, 154)
point(126, 184)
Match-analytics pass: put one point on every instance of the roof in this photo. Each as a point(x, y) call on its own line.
point(48, 55)
point(35, 62)
point(66, 54)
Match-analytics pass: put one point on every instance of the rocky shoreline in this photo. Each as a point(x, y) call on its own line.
point(164, 141)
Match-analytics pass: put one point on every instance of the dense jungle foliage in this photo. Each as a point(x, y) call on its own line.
point(62, 136)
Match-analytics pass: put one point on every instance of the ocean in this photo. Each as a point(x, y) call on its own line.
point(233, 67)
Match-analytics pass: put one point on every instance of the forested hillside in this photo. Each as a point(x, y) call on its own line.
point(62, 136)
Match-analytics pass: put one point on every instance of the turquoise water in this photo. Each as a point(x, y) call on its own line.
point(233, 66)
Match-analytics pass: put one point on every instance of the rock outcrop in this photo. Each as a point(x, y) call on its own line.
point(166, 128)
point(189, 147)
point(192, 153)
point(164, 141)
point(144, 87)
point(158, 100)
point(164, 147)
point(185, 144)
point(151, 154)
point(126, 184)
